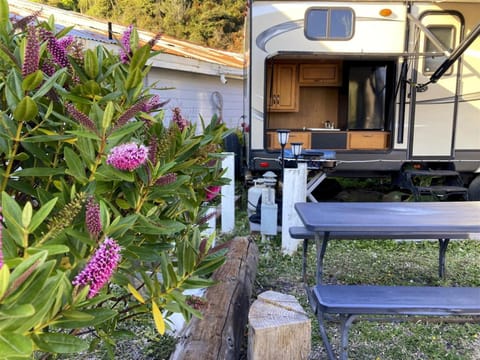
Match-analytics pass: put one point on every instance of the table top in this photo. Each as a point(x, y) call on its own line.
point(384, 217)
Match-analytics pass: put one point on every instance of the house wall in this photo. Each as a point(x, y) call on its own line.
point(199, 95)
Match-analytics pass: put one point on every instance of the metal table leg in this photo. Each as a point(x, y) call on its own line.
point(321, 250)
point(442, 250)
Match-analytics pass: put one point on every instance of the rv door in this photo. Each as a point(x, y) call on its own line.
point(433, 108)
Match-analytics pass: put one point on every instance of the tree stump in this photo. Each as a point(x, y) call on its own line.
point(279, 328)
point(221, 332)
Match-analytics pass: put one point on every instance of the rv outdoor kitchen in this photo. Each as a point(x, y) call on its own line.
point(370, 89)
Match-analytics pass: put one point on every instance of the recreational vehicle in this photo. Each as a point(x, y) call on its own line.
point(391, 88)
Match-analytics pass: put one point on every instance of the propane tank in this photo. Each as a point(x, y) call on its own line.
point(269, 210)
point(254, 194)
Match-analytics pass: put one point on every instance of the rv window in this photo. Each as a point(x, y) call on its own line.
point(445, 34)
point(329, 23)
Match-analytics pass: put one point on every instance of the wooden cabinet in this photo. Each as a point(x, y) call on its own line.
point(320, 74)
point(367, 140)
point(294, 136)
point(282, 88)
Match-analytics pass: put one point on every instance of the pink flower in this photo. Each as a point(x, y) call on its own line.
point(212, 192)
point(100, 268)
point(128, 156)
point(92, 217)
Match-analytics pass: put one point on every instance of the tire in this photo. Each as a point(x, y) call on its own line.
point(474, 189)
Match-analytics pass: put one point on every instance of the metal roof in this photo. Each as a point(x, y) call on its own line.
point(93, 29)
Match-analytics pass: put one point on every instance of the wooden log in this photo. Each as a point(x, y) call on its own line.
point(279, 328)
point(221, 332)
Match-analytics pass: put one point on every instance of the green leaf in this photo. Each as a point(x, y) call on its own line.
point(120, 226)
point(32, 81)
point(42, 299)
point(32, 289)
point(77, 315)
point(48, 138)
point(51, 249)
point(91, 65)
point(39, 171)
point(209, 265)
point(26, 110)
point(195, 282)
point(134, 78)
point(108, 115)
point(100, 315)
point(12, 214)
point(60, 343)
point(158, 227)
point(75, 166)
point(4, 277)
point(47, 85)
point(14, 344)
point(124, 130)
point(17, 312)
point(41, 215)
point(109, 173)
point(28, 265)
point(140, 58)
point(27, 214)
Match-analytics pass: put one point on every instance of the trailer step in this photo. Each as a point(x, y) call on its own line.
point(440, 184)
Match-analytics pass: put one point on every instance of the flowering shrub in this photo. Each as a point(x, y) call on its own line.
point(95, 191)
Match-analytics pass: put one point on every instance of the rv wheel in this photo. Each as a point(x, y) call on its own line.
point(474, 189)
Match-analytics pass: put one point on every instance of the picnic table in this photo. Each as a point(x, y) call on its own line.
point(442, 220)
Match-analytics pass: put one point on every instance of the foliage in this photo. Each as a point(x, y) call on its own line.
point(218, 24)
point(69, 202)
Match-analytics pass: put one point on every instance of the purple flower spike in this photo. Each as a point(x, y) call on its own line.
point(32, 51)
point(100, 268)
point(128, 156)
point(179, 120)
point(55, 48)
point(126, 50)
point(92, 217)
point(166, 179)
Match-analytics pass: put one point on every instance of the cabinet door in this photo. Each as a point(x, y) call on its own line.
point(320, 75)
point(294, 136)
point(282, 88)
point(368, 140)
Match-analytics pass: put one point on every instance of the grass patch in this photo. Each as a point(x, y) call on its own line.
point(383, 262)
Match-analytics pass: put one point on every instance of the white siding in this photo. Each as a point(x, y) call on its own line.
point(194, 95)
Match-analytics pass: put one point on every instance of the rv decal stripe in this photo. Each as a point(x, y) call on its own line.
point(450, 99)
point(265, 36)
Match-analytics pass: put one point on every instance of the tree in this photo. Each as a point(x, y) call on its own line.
point(218, 24)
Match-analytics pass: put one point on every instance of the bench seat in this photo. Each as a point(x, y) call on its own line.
point(351, 301)
point(398, 300)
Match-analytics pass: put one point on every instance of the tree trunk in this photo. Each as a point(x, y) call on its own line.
point(221, 332)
